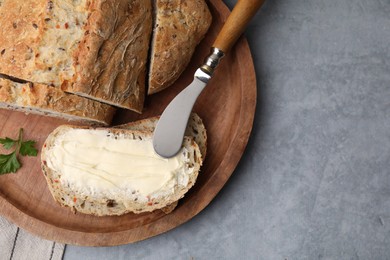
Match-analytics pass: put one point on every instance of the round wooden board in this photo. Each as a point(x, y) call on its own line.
point(227, 107)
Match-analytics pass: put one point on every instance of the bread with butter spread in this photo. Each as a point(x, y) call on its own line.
point(121, 173)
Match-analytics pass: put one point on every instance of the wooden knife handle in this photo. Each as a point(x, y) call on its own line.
point(236, 23)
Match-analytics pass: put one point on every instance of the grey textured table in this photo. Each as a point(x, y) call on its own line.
point(314, 182)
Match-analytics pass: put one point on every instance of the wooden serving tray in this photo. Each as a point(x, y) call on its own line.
point(227, 107)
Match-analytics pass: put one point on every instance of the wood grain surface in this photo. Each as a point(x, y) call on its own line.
point(227, 107)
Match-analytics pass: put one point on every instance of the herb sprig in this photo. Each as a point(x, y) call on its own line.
point(9, 163)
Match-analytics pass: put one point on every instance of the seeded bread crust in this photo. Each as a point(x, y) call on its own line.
point(179, 27)
point(50, 101)
point(92, 48)
point(112, 55)
point(100, 205)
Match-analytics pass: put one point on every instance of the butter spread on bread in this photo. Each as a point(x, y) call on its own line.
point(105, 162)
point(90, 189)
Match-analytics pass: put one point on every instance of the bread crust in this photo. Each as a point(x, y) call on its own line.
point(50, 101)
point(179, 27)
point(20, 36)
point(113, 53)
point(96, 49)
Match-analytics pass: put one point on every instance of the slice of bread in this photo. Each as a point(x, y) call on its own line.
point(87, 200)
point(178, 28)
point(50, 101)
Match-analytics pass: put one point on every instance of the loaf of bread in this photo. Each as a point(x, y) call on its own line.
point(178, 29)
point(50, 101)
point(108, 187)
point(97, 49)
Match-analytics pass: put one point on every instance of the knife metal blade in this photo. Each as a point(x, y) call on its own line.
point(167, 143)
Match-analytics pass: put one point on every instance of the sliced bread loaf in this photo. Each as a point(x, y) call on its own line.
point(97, 49)
point(178, 29)
point(115, 184)
point(50, 101)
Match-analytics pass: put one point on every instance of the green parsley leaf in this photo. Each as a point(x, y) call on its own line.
point(9, 163)
point(27, 148)
point(7, 143)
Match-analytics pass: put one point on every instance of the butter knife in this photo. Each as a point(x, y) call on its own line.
point(169, 132)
